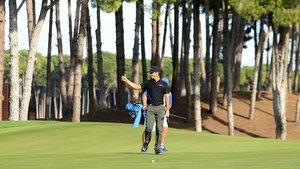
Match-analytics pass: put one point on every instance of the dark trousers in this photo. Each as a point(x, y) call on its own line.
point(155, 114)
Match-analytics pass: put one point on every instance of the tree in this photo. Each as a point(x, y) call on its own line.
point(120, 57)
point(14, 68)
point(197, 84)
point(143, 52)
point(2, 40)
point(279, 84)
point(100, 74)
point(155, 43)
point(135, 57)
point(79, 61)
point(291, 59)
point(208, 44)
point(215, 58)
point(260, 70)
point(203, 75)
point(48, 87)
point(237, 54)
point(164, 35)
point(62, 71)
point(281, 15)
point(175, 80)
point(73, 43)
point(229, 79)
point(256, 68)
point(92, 95)
point(297, 46)
point(186, 33)
point(117, 7)
point(31, 59)
point(31, 21)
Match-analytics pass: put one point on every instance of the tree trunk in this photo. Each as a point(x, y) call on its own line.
point(31, 21)
point(154, 32)
point(135, 57)
point(203, 79)
point(290, 65)
point(155, 58)
point(92, 99)
point(228, 43)
point(197, 84)
point(208, 44)
point(73, 46)
point(280, 65)
point(239, 53)
point(79, 61)
point(2, 47)
point(297, 44)
point(48, 86)
point(256, 69)
point(182, 89)
point(171, 30)
point(144, 64)
point(31, 60)
point(121, 99)
point(70, 25)
point(269, 70)
point(63, 85)
point(215, 57)
point(186, 59)
point(162, 60)
point(14, 68)
point(102, 100)
point(228, 58)
point(260, 73)
point(175, 93)
point(259, 78)
point(143, 52)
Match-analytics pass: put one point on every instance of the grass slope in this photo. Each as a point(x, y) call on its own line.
point(39, 144)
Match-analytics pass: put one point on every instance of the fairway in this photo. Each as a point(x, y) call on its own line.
point(39, 144)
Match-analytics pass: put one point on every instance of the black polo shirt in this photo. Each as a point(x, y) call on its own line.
point(156, 91)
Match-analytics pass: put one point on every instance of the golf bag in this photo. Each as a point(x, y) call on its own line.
point(133, 108)
point(135, 111)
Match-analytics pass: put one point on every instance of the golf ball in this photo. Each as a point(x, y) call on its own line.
point(153, 161)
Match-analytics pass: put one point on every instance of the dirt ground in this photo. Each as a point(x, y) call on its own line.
point(262, 126)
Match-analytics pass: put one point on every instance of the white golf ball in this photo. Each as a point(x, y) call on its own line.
point(153, 161)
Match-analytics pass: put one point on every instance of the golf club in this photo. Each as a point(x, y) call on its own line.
point(173, 115)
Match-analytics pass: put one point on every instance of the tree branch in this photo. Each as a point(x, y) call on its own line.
point(22, 3)
point(52, 3)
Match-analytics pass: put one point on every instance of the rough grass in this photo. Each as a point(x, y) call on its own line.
point(39, 144)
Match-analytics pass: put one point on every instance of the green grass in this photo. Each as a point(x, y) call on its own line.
point(39, 144)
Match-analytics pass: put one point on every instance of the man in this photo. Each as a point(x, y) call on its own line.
point(165, 123)
point(158, 90)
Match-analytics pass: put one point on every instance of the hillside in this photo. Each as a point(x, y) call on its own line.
point(262, 126)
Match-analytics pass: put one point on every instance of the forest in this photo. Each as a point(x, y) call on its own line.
point(273, 26)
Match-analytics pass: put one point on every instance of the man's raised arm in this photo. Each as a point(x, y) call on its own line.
point(130, 83)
